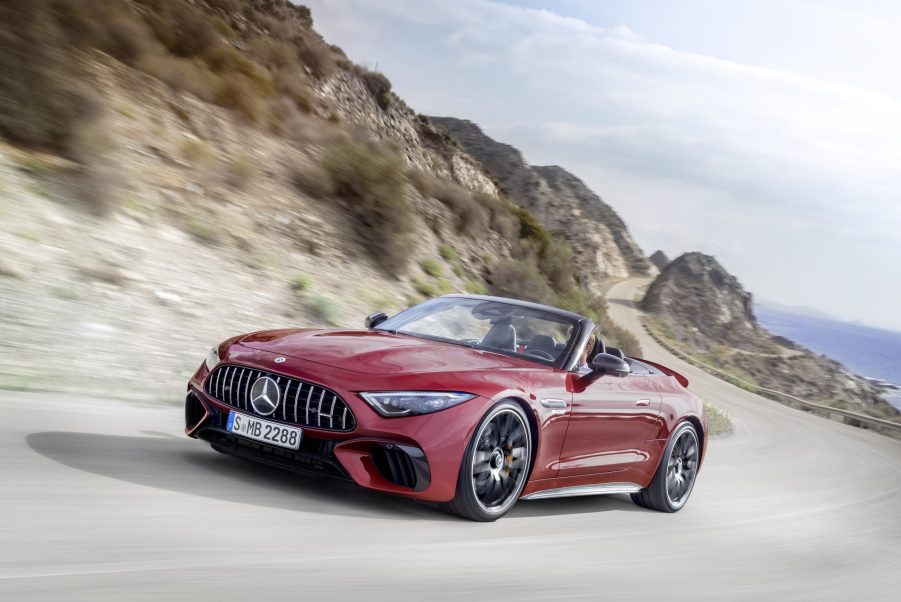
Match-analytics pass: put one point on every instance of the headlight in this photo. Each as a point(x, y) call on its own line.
point(212, 358)
point(410, 403)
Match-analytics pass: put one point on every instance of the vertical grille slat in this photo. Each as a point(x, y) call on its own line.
point(231, 385)
point(319, 409)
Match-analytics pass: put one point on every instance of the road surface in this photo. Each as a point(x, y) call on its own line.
point(107, 500)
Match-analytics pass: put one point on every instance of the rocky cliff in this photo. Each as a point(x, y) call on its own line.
point(701, 308)
point(562, 202)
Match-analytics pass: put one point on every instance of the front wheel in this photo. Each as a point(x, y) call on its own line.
point(675, 477)
point(495, 465)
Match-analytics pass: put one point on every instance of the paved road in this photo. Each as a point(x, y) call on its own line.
point(106, 500)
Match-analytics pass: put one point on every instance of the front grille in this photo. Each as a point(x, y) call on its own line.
point(300, 402)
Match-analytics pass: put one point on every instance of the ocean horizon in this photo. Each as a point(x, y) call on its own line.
point(864, 350)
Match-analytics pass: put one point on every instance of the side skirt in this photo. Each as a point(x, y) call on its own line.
point(578, 490)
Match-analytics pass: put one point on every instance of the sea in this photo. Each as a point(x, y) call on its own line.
point(870, 352)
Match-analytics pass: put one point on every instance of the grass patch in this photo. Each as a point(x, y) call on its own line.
point(447, 252)
point(459, 270)
point(475, 287)
point(431, 267)
point(324, 310)
point(426, 289)
point(301, 283)
point(718, 422)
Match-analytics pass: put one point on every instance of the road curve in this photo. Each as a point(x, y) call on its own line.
point(107, 500)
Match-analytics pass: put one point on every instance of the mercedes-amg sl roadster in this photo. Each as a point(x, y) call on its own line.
point(468, 401)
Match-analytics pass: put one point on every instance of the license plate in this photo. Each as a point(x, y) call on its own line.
point(263, 430)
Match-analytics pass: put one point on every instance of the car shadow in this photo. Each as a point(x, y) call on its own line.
point(187, 466)
point(573, 505)
point(181, 465)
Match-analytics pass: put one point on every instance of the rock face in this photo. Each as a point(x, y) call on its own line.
point(659, 259)
point(562, 202)
point(704, 302)
point(703, 309)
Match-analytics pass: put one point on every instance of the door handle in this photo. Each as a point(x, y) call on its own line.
point(643, 402)
point(553, 403)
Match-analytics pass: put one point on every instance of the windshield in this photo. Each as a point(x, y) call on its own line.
point(490, 325)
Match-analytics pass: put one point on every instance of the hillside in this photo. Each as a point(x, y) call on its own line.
point(561, 202)
point(701, 308)
point(177, 171)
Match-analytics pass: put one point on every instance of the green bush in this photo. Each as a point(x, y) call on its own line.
point(459, 270)
point(475, 287)
point(444, 286)
point(370, 179)
point(447, 252)
point(302, 283)
point(426, 289)
point(324, 309)
point(431, 267)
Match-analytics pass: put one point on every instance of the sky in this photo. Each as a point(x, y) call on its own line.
point(766, 133)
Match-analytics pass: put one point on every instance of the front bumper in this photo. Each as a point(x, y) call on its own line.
point(416, 456)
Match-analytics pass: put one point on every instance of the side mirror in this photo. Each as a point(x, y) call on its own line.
point(604, 363)
point(373, 320)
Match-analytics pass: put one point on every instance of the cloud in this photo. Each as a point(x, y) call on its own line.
point(775, 171)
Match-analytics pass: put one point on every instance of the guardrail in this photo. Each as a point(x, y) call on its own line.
point(848, 417)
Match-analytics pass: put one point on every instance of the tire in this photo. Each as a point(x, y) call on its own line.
point(495, 466)
point(678, 467)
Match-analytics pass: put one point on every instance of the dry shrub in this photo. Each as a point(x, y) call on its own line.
point(42, 99)
point(274, 54)
point(293, 85)
point(371, 181)
point(313, 180)
point(184, 75)
point(230, 64)
point(520, 279)
point(557, 263)
point(127, 39)
point(231, 6)
point(472, 218)
point(240, 172)
point(181, 28)
point(237, 94)
point(377, 84)
point(316, 54)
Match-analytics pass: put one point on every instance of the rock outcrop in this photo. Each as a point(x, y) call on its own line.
point(562, 202)
point(704, 303)
point(659, 259)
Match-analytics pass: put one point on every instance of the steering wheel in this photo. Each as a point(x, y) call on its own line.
point(540, 353)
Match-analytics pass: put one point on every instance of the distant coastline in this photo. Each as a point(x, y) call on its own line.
point(870, 352)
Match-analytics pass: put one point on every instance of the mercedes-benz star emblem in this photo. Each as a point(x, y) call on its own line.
point(264, 395)
point(279, 360)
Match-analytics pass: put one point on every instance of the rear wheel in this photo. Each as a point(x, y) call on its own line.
point(675, 477)
point(495, 465)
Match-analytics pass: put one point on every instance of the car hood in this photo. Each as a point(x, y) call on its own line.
point(377, 352)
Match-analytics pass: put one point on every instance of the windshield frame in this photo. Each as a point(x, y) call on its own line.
point(562, 362)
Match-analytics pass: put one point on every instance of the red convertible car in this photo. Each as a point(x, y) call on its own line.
point(472, 402)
